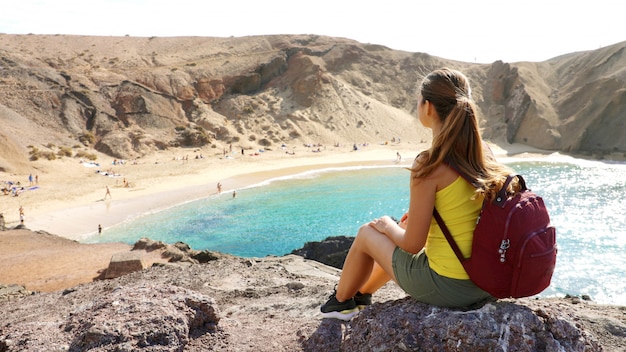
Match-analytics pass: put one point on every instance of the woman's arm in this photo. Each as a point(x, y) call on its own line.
point(421, 204)
point(412, 235)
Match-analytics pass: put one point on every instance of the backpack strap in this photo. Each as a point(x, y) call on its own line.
point(500, 199)
point(439, 219)
point(448, 235)
point(501, 196)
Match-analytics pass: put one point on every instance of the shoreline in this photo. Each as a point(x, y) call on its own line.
point(79, 218)
point(74, 207)
point(119, 211)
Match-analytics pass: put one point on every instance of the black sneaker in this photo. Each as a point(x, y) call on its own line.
point(339, 310)
point(362, 300)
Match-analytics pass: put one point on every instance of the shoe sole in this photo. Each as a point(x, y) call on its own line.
point(344, 315)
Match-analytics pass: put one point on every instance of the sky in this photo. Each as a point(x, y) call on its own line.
point(466, 30)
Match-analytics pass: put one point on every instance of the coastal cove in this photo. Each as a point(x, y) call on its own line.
point(250, 293)
point(586, 263)
point(154, 188)
point(279, 215)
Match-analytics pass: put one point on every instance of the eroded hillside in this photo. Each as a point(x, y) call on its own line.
point(129, 96)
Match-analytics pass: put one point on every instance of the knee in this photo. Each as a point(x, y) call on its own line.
point(366, 233)
point(363, 231)
point(374, 243)
point(363, 228)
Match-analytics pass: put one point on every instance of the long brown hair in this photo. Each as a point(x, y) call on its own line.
point(459, 140)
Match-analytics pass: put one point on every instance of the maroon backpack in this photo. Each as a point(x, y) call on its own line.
point(514, 246)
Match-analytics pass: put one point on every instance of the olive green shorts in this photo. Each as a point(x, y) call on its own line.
point(414, 276)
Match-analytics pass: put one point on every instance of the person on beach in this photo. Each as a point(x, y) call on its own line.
point(108, 193)
point(414, 252)
point(219, 188)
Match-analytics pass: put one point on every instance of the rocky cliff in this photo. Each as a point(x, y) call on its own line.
point(272, 304)
point(128, 96)
point(207, 301)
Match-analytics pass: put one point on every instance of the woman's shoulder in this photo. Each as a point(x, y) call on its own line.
point(445, 173)
point(420, 159)
point(440, 177)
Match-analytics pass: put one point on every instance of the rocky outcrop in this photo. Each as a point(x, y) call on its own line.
point(554, 105)
point(178, 252)
point(11, 292)
point(272, 304)
point(406, 325)
point(330, 251)
point(124, 263)
point(147, 317)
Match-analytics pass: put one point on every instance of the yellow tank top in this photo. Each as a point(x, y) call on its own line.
point(460, 212)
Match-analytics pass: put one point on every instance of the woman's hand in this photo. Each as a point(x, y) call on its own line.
point(403, 220)
point(383, 225)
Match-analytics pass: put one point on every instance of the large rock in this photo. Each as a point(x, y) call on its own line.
point(177, 252)
point(10, 292)
point(150, 317)
point(330, 251)
point(163, 317)
point(124, 263)
point(407, 325)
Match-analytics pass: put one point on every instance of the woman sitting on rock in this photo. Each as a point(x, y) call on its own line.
point(415, 253)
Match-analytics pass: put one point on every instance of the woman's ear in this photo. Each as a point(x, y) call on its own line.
point(431, 116)
point(429, 108)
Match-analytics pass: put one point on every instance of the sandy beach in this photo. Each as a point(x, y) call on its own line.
point(69, 199)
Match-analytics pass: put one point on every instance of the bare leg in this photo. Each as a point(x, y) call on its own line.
point(378, 278)
point(369, 247)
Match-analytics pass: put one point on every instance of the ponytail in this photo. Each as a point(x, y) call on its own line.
point(459, 140)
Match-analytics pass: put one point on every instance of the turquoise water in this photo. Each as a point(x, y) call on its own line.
point(585, 200)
